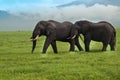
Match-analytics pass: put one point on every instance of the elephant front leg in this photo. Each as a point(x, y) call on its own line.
point(54, 46)
point(87, 46)
point(46, 44)
point(72, 45)
point(78, 44)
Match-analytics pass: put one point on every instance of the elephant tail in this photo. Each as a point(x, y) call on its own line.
point(115, 37)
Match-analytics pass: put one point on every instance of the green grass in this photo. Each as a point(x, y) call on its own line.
point(17, 62)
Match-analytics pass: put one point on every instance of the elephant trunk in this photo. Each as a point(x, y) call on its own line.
point(34, 45)
point(34, 42)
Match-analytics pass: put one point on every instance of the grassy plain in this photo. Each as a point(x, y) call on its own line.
point(17, 62)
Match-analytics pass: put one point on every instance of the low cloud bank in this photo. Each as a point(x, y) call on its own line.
point(29, 17)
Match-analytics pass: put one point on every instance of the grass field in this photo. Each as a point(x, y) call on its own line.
point(17, 62)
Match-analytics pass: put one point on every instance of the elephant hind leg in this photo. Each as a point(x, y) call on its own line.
point(112, 45)
point(104, 46)
point(87, 44)
point(54, 46)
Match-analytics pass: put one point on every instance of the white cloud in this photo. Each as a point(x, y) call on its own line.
point(30, 16)
point(96, 12)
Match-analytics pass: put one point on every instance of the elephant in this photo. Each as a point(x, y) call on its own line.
point(55, 31)
point(102, 31)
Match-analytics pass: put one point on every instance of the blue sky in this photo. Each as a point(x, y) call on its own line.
point(24, 14)
point(12, 4)
point(31, 1)
point(7, 4)
point(26, 5)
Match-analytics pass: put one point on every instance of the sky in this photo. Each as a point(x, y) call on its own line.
point(24, 14)
point(29, 4)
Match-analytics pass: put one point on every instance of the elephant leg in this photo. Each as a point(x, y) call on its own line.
point(87, 43)
point(104, 46)
point(54, 46)
point(46, 44)
point(112, 45)
point(72, 45)
point(78, 44)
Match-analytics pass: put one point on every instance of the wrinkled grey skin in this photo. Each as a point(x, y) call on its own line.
point(55, 31)
point(102, 32)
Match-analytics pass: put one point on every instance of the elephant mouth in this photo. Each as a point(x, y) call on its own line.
point(34, 39)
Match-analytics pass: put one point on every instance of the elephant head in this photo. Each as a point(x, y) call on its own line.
point(81, 27)
point(40, 29)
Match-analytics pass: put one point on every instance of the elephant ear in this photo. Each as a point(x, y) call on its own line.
point(73, 33)
point(85, 28)
point(51, 29)
point(44, 23)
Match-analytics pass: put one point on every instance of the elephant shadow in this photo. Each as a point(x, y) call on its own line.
point(95, 51)
point(81, 52)
point(60, 52)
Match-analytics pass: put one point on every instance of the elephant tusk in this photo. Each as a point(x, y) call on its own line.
point(36, 37)
point(73, 36)
point(31, 39)
point(68, 38)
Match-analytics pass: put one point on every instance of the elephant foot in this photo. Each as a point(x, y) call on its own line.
point(43, 52)
point(81, 50)
point(55, 52)
point(103, 50)
point(87, 50)
point(71, 50)
point(112, 49)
